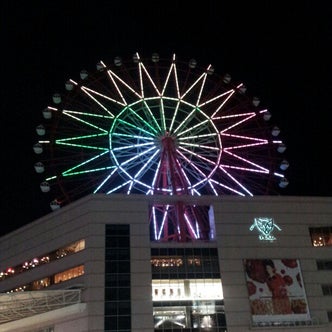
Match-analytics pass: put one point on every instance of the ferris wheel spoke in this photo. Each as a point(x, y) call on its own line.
point(186, 120)
point(156, 173)
point(196, 171)
point(241, 119)
point(163, 220)
point(162, 115)
point(236, 182)
point(124, 85)
point(195, 174)
point(201, 89)
point(143, 122)
point(137, 156)
point(142, 69)
point(88, 166)
point(201, 125)
point(120, 186)
point(137, 128)
point(173, 119)
point(200, 80)
point(224, 96)
point(150, 116)
point(105, 180)
point(146, 165)
point(171, 72)
point(62, 142)
point(202, 147)
point(207, 136)
point(133, 146)
point(199, 157)
point(246, 146)
point(220, 108)
point(191, 229)
point(66, 141)
point(256, 168)
point(228, 188)
point(129, 136)
point(102, 99)
point(259, 141)
point(87, 123)
point(92, 116)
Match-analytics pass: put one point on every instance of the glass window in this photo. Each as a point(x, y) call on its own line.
point(43, 259)
point(40, 284)
point(50, 280)
point(199, 222)
point(117, 278)
point(187, 290)
point(184, 263)
point(111, 294)
point(124, 307)
point(69, 274)
point(124, 322)
point(111, 323)
point(189, 316)
point(321, 236)
point(118, 253)
point(327, 290)
point(117, 230)
point(113, 242)
point(329, 316)
point(324, 265)
point(111, 307)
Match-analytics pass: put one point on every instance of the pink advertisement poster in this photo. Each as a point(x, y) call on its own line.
point(276, 290)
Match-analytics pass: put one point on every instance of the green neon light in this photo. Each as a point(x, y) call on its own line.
point(139, 117)
point(84, 146)
point(69, 171)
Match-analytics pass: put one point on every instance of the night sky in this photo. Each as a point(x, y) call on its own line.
point(280, 49)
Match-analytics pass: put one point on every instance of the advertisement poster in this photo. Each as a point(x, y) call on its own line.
point(276, 290)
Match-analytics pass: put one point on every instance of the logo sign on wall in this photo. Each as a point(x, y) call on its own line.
point(265, 226)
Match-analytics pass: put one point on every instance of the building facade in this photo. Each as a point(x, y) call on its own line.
point(96, 265)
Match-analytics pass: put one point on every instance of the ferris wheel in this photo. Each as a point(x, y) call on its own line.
point(158, 127)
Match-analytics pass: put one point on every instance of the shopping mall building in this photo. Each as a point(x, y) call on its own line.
point(103, 263)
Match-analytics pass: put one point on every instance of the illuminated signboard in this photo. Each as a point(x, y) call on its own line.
point(265, 227)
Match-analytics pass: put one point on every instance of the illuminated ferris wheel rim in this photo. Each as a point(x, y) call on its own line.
point(148, 102)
